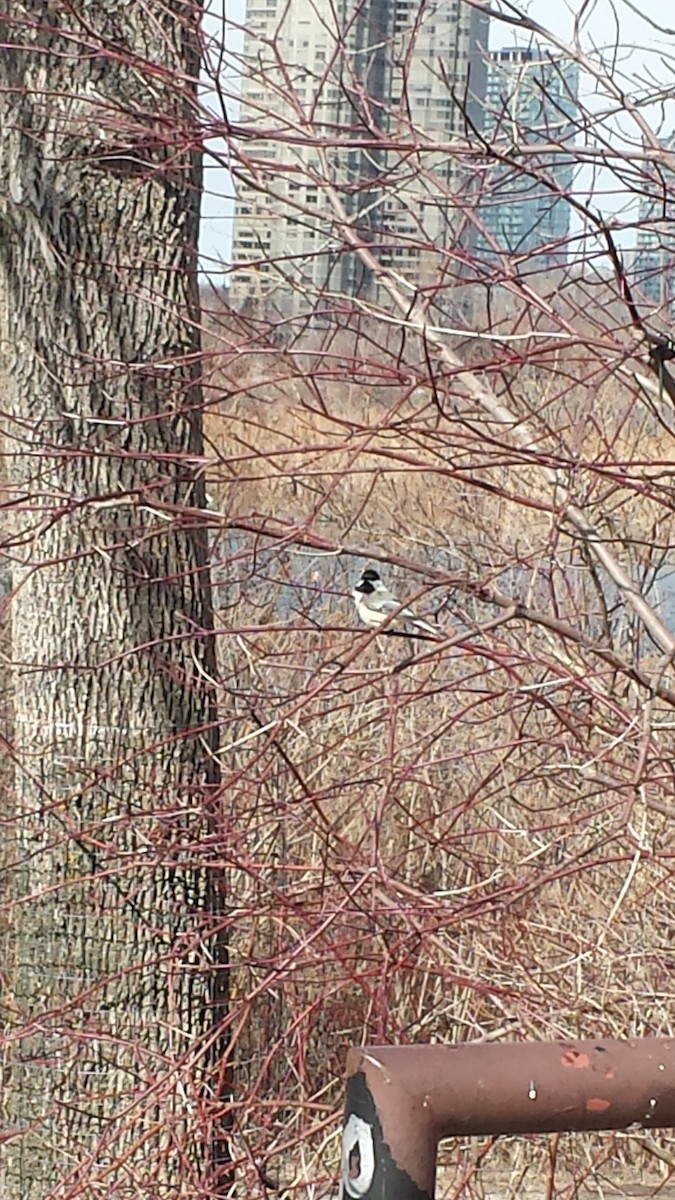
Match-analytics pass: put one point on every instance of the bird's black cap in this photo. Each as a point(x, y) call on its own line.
point(366, 584)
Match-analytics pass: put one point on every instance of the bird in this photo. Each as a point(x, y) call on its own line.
point(375, 604)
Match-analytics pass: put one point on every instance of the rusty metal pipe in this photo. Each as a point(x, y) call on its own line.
point(402, 1100)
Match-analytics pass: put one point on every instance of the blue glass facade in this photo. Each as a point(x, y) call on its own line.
point(531, 100)
point(654, 265)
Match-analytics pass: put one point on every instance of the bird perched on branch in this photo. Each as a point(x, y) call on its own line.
point(375, 603)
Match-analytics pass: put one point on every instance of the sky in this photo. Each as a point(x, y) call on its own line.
point(632, 36)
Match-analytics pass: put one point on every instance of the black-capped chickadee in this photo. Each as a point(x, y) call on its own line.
point(375, 603)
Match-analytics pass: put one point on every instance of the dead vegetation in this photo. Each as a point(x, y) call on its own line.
point(475, 845)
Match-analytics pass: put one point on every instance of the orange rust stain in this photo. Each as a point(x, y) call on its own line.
point(572, 1058)
point(597, 1105)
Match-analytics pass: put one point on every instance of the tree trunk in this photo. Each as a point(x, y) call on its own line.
point(117, 983)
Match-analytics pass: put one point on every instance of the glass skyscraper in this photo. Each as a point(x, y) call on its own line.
point(531, 99)
point(654, 266)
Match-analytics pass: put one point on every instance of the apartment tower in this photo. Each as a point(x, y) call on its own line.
point(354, 117)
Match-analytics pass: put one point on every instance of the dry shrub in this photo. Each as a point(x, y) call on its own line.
point(476, 844)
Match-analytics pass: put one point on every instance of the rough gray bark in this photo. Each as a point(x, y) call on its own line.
point(117, 975)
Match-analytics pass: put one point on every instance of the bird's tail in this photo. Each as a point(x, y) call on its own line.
point(436, 633)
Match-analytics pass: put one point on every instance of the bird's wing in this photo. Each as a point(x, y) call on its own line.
point(389, 604)
point(383, 606)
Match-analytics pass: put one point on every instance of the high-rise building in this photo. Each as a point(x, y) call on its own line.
point(531, 98)
point(654, 264)
point(356, 92)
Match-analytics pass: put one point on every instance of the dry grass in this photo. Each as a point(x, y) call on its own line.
point(438, 853)
point(476, 844)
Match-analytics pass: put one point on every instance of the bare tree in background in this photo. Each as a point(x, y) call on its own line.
point(115, 985)
point(475, 844)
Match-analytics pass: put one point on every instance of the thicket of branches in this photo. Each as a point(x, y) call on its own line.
point(475, 844)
